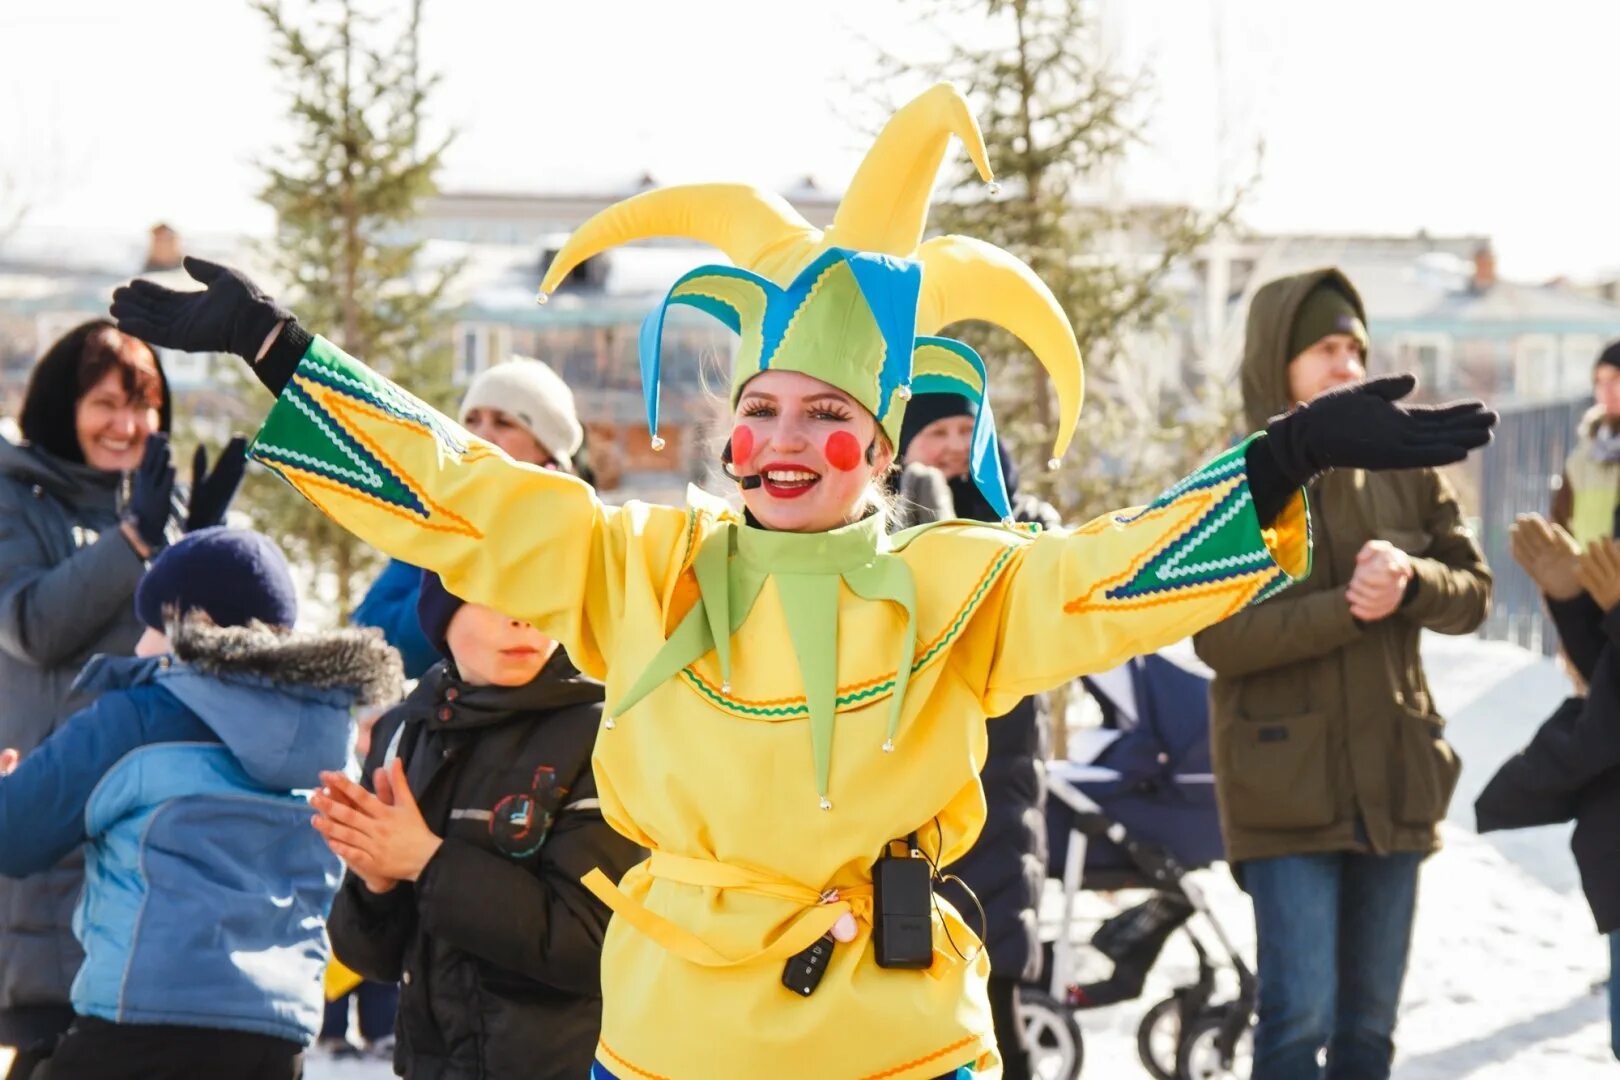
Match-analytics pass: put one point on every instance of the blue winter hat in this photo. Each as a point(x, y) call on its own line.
point(435, 607)
point(234, 576)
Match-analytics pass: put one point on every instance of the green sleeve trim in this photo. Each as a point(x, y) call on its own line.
point(301, 435)
point(1224, 543)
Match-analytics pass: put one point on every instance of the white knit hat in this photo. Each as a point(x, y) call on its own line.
point(536, 397)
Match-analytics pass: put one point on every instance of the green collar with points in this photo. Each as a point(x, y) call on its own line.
point(732, 566)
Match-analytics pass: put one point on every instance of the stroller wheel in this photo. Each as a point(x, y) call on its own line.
point(1201, 1056)
point(1158, 1038)
point(1052, 1036)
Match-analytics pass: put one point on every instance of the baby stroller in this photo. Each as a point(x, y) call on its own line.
point(1138, 814)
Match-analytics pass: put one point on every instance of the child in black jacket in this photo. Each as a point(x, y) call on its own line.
point(466, 853)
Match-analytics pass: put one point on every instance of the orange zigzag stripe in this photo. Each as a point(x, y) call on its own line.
point(1242, 590)
point(339, 407)
point(914, 1062)
point(1196, 504)
point(629, 1065)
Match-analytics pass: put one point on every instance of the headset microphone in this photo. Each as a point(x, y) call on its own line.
point(746, 437)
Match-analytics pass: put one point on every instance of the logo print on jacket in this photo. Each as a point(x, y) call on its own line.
point(521, 821)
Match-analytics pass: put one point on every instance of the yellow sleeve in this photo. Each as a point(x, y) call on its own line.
point(529, 542)
point(1127, 583)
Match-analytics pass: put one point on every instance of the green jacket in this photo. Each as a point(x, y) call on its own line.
point(1324, 734)
point(1586, 501)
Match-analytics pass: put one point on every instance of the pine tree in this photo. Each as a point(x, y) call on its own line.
point(1057, 121)
point(344, 191)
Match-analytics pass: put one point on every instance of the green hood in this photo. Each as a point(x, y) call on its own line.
point(1265, 340)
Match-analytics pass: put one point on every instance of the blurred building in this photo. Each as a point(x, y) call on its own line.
point(1437, 306)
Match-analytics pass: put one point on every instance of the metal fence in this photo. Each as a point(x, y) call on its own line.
point(1517, 474)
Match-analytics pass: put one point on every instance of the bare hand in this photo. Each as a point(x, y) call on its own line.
point(8, 761)
point(1599, 572)
point(1379, 583)
point(1548, 554)
point(382, 838)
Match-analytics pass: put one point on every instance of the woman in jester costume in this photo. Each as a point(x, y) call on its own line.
point(790, 689)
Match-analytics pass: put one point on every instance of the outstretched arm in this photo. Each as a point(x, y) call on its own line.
point(531, 542)
point(1233, 533)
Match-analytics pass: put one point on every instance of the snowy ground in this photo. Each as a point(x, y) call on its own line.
point(1505, 957)
point(1506, 971)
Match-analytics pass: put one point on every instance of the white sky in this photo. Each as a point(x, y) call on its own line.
point(1381, 115)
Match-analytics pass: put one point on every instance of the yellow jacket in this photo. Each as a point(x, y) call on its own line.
point(715, 775)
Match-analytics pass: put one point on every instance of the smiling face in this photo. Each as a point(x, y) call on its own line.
point(807, 440)
point(111, 425)
point(491, 649)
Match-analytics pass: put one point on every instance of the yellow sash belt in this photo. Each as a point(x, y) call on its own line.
point(820, 909)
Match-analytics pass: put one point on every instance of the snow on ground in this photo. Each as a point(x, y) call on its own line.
point(1506, 971)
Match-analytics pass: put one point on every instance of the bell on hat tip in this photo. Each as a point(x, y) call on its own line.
point(905, 393)
point(658, 443)
point(725, 688)
point(888, 746)
point(826, 803)
point(1009, 522)
point(609, 724)
point(541, 297)
point(1053, 464)
point(994, 187)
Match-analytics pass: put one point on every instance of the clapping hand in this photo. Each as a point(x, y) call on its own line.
point(383, 837)
point(1599, 572)
point(1548, 554)
point(1378, 586)
point(151, 492)
point(212, 492)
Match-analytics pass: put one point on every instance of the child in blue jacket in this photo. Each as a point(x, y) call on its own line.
point(203, 917)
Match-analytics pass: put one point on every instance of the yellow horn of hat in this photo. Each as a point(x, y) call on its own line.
point(756, 229)
point(965, 278)
point(884, 212)
point(886, 207)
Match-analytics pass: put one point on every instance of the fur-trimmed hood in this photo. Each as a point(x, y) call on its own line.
point(1591, 421)
point(279, 701)
point(356, 660)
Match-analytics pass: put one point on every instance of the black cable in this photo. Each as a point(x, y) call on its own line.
point(984, 922)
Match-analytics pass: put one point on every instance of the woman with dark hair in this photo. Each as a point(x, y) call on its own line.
point(85, 500)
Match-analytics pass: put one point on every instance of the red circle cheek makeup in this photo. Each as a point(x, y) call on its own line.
point(742, 445)
point(843, 451)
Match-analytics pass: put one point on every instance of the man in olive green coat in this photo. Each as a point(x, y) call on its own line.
point(1330, 763)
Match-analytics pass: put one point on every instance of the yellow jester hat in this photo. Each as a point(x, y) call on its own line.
point(858, 305)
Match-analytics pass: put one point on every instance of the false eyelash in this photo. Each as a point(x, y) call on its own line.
point(831, 414)
point(758, 409)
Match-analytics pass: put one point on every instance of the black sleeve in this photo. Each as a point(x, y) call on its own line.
point(1541, 785)
point(369, 932)
point(1533, 787)
point(1580, 623)
point(537, 921)
point(1271, 489)
point(277, 367)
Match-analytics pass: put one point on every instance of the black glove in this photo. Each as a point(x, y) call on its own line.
point(212, 492)
point(1360, 427)
point(231, 315)
point(151, 490)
